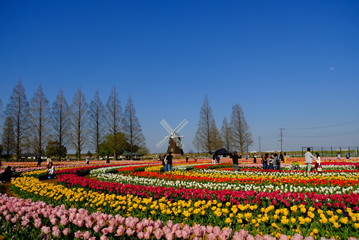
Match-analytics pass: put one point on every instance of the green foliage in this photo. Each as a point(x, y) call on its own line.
point(55, 150)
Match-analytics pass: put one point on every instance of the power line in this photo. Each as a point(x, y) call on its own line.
point(326, 126)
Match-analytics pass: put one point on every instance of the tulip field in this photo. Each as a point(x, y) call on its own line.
point(197, 200)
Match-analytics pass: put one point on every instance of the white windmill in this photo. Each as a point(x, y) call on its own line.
point(175, 144)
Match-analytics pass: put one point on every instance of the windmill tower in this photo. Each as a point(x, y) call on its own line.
point(175, 144)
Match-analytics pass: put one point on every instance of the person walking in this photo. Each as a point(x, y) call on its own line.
point(309, 160)
point(235, 158)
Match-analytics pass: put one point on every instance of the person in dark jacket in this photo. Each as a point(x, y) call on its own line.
point(168, 166)
point(235, 158)
point(7, 174)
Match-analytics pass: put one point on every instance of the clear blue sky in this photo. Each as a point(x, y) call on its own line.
point(289, 64)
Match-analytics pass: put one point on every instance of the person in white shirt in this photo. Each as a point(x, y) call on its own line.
point(309, 160)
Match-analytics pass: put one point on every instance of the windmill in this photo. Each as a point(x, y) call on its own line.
point(175, 144)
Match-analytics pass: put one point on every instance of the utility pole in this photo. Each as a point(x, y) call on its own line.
point(281, 138)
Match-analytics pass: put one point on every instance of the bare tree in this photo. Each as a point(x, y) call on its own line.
point(79, 115)
point(207, 137)
point(97, 123)
point(114, 116)
point(132, 128)
point(8, 140)
point(39, 121)
point(17, 109)
point(242, 138)
point(226, 134)
point(60, 114)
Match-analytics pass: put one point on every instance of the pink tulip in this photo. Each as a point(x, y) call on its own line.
point(216, 230)
point(56, 231)
point(120, 231)
point(103, 237)
point(86, 235)
point(66, 231)
point(46, 230)
point(147, 235)
point(96, 228)
point(283, 237)
point(178, 233)
point(14, 219)
point(149, 229)
point(250, 237)
point(140, 235)
point(209, 229)
point(78, 234)
point(158, 234)
point(169, 236)
point(37, 223)
point(25, 222)
point(105, 231)
point(130, 231)
point(211, 236)
point(53, 220)
point(139, 227)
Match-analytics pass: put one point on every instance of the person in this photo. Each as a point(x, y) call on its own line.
point(255, 159)
point(162, 159)
point(7, 174)
point(309, 160)
point(339, 156)
point(48, 162)
point(214, 158)
point(39, 161)
point(168, 165)
point(218, 159)
point(50, 170)
point(87, 160)
point(281, 156)
point(265, 161)
point(187, 157)
point(235, 158)
point(271, 162)
point(276, 162)
point(317, 166)
point(346, 156)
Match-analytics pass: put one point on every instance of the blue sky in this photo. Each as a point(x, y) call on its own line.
point(289, 64)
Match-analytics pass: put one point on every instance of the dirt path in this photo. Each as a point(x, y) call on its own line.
point(6, 188)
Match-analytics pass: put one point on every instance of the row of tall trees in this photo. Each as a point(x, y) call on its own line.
point(234, 135)
point(31, 126)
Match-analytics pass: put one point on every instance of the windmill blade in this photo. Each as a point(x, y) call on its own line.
point(180, 126)
point(165, 139)
point(166, 126)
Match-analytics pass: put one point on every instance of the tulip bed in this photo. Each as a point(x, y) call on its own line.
point(201, 201)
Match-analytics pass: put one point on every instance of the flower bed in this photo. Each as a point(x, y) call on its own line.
point(253, 212)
